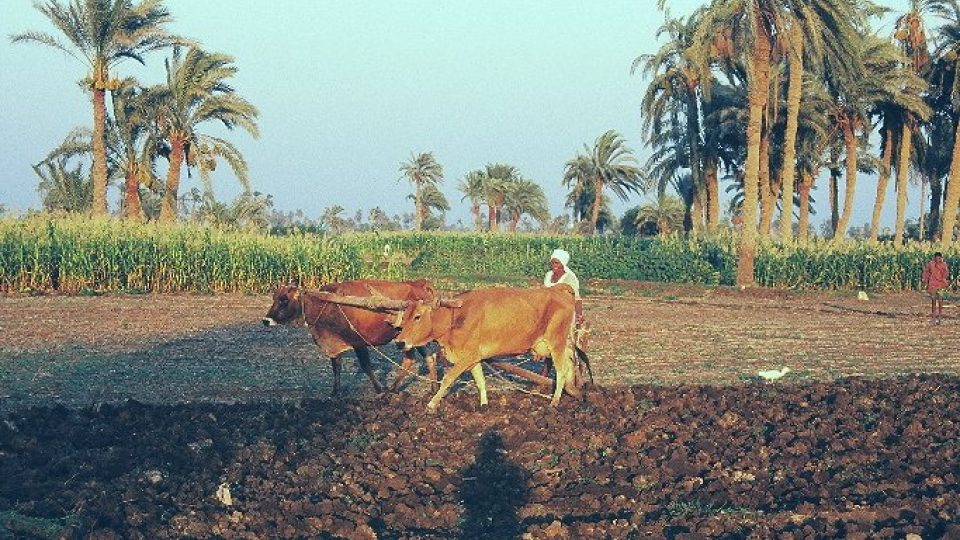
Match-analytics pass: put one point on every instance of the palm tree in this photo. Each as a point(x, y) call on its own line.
point(102, 33)
point(431, 198)
point(674, 91)
point(609, 164)
point(754, 23)
point(421, 171)
point(667, 214)
point(61, 187)
point(819, 33)
point(945, 74)
point(912, 39)
point(885, 79)
point(499, 177)
point(472, 187)
point(525, 197)
point(129, 137)
point(196, 91)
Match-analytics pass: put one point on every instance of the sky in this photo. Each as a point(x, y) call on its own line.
point(347, 91)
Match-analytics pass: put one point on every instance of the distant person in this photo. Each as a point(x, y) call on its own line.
point(935, 278)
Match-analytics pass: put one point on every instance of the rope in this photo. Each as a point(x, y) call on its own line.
point(378, 351)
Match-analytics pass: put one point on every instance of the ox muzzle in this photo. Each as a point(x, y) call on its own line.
point(268, 321)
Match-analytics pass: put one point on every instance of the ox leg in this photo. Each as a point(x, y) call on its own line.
point(564, 371)
point(363, 358)
point(405, 370)
point(477, 372)
point(459, 367)
point(432, 370)
point(337, 364)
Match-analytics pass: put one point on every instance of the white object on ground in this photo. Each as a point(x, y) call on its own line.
point(862, 295)
point(223, 494)
point(773, 374)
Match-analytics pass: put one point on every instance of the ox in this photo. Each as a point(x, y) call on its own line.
point(337, 329)
point(496, 322)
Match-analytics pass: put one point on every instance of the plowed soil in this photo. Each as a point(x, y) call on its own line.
point(180, 417)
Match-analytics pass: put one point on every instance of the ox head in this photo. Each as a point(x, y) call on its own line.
point(286, 306)
point(415, 324)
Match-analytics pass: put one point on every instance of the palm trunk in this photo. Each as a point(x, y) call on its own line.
point(495, 215)
point(794, 94)
point(597, 200)
point(923, 197)
point(903, 173)
point(713, 193)
point(936, 197)
point(882, 181)
point(475, 210)
point(131, 188)
point(417, 209)
point(696, 223)
point(806, 184)
point(99, 152)
point(756, 99)
point(696, 162)
point(952, 199)
point(850, 141)
point(768, 198)
point(168, 208)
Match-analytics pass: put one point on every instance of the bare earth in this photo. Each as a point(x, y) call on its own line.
point(132, 416)
point(168, 348)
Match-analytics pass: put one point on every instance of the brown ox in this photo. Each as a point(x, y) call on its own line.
point(496, 322)
point(337, 329)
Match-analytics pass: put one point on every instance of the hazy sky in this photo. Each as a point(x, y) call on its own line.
point(349, 90)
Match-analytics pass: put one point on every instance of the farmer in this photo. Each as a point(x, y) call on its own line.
point(560, 273)
point(935, 278)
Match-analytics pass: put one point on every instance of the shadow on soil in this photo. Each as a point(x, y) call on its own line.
point(232, 364)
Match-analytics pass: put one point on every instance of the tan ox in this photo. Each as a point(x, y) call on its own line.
point(496, 322)
point(337, 329)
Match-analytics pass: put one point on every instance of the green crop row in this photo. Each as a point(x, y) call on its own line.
point(76, 254)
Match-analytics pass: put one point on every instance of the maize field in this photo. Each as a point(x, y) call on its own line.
point(79, 254)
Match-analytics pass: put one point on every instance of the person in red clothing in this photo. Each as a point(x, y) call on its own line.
point(935, 278)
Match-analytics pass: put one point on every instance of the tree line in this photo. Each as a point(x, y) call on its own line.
point(769, 95)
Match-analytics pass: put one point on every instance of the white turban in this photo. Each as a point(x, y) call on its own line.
point(561, 256)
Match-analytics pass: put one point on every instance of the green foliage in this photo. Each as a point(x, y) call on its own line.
point(77, 254)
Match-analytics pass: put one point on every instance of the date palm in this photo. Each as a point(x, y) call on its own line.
point(196, 92)
point(525, 197)
point(101, 34)
point(886, 79)
point(672, 102)
point(129, 141)
point(431, 198)
point(499, 177)
point(911, 36)
point(751, 26)
point(421, 171)
point(608, 165)
point(472, 187)
point(667, 214)
point(819, 33)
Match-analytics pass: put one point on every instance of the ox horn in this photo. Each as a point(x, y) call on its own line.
point(450, 302)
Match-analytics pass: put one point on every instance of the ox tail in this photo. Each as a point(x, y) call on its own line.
point(583, 357)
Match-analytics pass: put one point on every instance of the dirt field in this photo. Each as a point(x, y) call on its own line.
point(123, 414)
